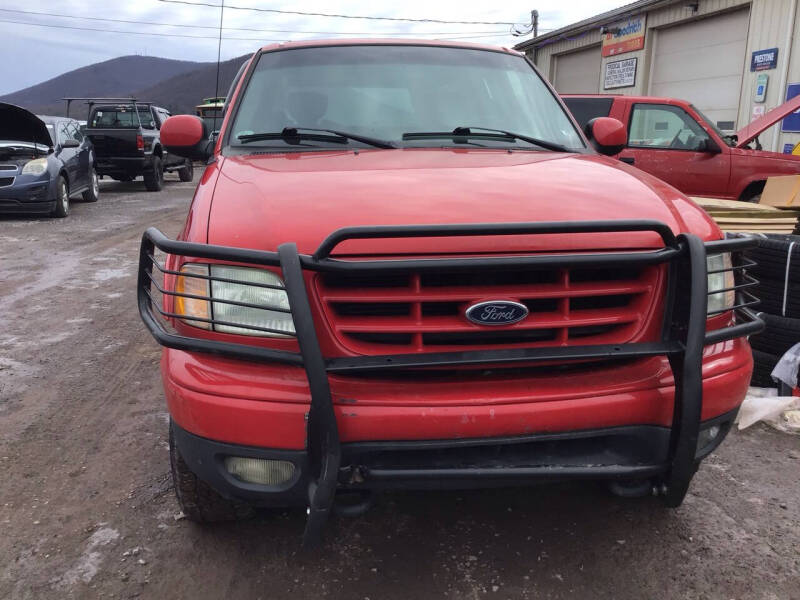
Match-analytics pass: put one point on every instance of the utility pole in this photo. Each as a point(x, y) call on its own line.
point(535, 23)
point(219, 54)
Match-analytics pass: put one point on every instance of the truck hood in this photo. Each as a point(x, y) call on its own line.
point(789, 159)
point(20, 125)
point(751, 131)
point(261, 201)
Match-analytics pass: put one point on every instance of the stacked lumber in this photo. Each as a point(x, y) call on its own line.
point(735, 216)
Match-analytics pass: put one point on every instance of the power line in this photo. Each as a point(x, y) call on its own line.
point(475, 37)
point(198, 37)
point(255, 29)
point(179, 35)
point(339, 16)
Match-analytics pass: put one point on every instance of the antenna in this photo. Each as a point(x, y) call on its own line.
point(219, 52)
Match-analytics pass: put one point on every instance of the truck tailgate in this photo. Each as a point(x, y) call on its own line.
point(110, 143)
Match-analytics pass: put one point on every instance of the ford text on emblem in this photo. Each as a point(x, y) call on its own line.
point(496, 312)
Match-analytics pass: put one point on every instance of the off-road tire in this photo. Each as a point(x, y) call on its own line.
point(780, 334)
point(62, 198)
point(771, 255)
point(93, 192)
point(770, 292)
point(154, 178)
point(186, 173)
point(754, 199)
point(198, 500)
point(763, 363)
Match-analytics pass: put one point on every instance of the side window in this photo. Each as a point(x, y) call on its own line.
point(666, 127)
point(146, 116)
point(63, 132)
point(75, 132)
point(586, 109)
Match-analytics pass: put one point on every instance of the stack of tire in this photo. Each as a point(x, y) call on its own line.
point(778, 272)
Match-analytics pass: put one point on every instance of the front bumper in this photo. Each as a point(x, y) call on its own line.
point(27, 195)
point(626, 454)
point(265, 405)
point(682, 343)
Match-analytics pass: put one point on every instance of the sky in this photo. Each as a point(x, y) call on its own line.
point(79, 37)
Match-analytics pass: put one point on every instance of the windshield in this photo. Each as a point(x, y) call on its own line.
point(212, 117)
point(52, 131)
point(121, 117)
point(726, 137)
point(385, 91)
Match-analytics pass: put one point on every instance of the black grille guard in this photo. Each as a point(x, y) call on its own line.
point(682, 340)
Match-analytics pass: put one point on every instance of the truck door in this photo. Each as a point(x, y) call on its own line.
point(666, 141)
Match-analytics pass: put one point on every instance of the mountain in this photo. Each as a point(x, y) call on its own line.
point(181, 93)
point(116, 77)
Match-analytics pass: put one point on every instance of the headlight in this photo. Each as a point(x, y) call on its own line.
point(244, 285)
point(721, 280)
point(35, 167)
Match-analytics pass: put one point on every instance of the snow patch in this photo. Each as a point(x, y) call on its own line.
point(106, 274)
point(88, 564)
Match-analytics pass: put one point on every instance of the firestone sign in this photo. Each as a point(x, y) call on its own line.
point(763, 60)
point(624, 36)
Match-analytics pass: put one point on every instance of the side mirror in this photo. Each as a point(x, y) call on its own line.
point(187, 136)
point(607, 135)
point(70, 143)
point(708, 145)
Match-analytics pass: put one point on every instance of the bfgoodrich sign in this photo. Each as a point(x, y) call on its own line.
point(624, 36)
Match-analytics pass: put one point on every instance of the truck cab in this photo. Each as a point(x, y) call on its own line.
point(672, 140)
point(406, 267)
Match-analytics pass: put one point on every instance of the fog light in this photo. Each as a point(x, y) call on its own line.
point(258, 470)
point(707, 436)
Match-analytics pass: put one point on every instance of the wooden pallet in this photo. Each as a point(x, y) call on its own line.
point(735, 216)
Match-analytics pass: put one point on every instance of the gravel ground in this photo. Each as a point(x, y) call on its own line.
point(87, 509)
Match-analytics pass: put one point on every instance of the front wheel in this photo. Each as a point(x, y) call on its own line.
point(154, 179)
point(62, 198)
point(93, 193)
point(198, 500)
point(186, 173)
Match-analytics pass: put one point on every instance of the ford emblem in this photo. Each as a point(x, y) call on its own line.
point(496, 312)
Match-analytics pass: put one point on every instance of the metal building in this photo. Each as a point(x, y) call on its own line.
point(733, 59)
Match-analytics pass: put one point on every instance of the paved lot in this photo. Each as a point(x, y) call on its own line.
point(86, 507)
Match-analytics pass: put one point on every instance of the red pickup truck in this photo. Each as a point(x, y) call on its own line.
point(406, 267)
point(672, 140)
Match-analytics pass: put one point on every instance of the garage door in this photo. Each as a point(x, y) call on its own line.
point(702, 62)
point(578, 72)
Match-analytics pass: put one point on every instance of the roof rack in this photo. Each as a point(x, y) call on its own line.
point(96, 100)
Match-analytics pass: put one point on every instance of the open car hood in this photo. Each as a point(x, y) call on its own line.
point(20, 125)
point(750, 132)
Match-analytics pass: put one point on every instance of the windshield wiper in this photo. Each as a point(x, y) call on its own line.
point(486, 133)
point(289, 134)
